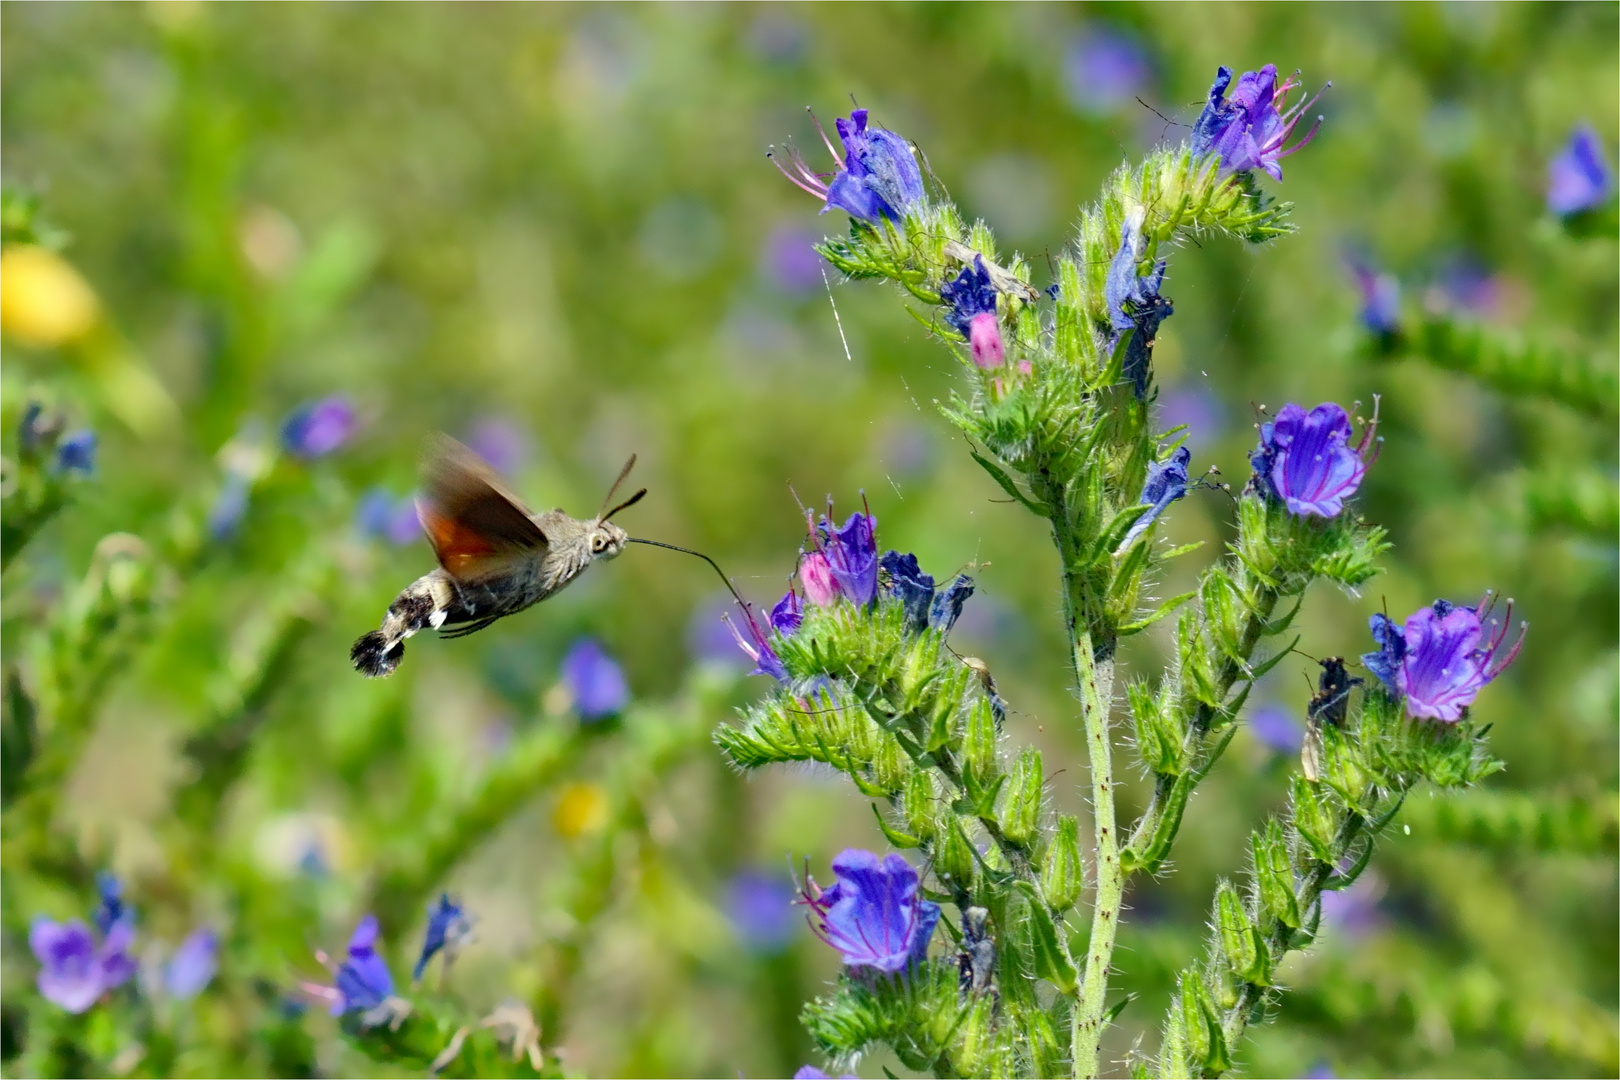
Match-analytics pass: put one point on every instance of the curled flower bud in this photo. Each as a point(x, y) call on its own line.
point(816, 575)
point(1166, 482)
point(1134, 302)
point(905, 581)
point(972, 301)
point(1441, 658)
point(873, 915)
point(1246, 130)
point(1305, 460)
point(877, 177)
point(1578, 178)
point(947, 606)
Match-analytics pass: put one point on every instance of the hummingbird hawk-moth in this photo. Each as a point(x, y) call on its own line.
point(495, 557)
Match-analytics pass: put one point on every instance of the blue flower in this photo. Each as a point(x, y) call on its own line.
point(500, 442)
point(1577, 177)
point(877, 177)
point(1306, 460)
point(595, 680)
point(111, 910)
point(906, 582)
point(77, 453)
point(790, 260)
point(851, 553)
point(192, 967)
point(1166, 482)
point(873, 915)
point(1277, 728)
point(1134, 303)
point(1444, 654)
point(760, 907)
point(1105, 69)
point(363, 980)
point(788, 614)
point(947, 606)
point(971, 302)
point(448, 929)
point(1380, 297)
point(1246, 130)
point(319, 428)
point(381, 515)
point(758, 647)
point(74, 969)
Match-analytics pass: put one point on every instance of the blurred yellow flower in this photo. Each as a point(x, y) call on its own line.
point(43, 300)
point(581, 809)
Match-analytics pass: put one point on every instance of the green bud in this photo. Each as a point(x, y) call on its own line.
point(1160, 729)
point(890, 765)
point(1049, 1057)
point(954, 859)
point(976, 1040)
point(1061, 871)
point(919, 802)
point(1206, 1046)
point(1250, 959)
point(979, 746)
point(1314, 819)
point(1223, 612)
point(1021, 809)
point(1274, 874)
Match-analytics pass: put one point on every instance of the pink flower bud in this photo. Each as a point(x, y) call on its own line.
point(815, 574)
point(984, 338)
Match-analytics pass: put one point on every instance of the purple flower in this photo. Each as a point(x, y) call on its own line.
point(381, 515)
point(1578, 178)
point(905, 581)
point(760, 907)
point(363, 980)
point(947, 606)
point(877, 177)
point(74, 971)
point(77, 453)
point(1195, 407)
point(873, 914)
point(789, 259)
point(758, 647)
point(971, 300)
point(448, 929)
point(1166, 482)
point(810, 1072)
point(111, 909)
point(502, 443)
point(788, 614)
point(1466, 284)
point(1246, 130)
point(851, 553)
point(1134, 303)
point(1443, 656)
point(1380, 297)
point(1306, 460)
point(1277, 728)
point(707, 639)
point(192, 967)
point(1104, 69)
point(595, 680)
point(319, 428)
point(1354, 910)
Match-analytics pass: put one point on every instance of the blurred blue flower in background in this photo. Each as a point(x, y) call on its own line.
point(192, 967)
point(708, 638)
point(382, 516)
point(760, 907)
point(501, 442)
point(363, 979)
point(77, 453)
point(1354, 910)
point(1198, 408)
point(317, 429)
point(1277, 728)
point(448, 929)
point(74, 970)
point(595, 680)
point(1465, 284)
point(111, 910)
point(1380, 296)
point(1103, 69)
point(789, 260)
point(1577, 177)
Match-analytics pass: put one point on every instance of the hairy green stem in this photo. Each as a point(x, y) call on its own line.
point(1096, 691)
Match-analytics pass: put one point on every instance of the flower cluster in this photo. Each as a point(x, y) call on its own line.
point(1306, 462)
point(873, 915)
point(362, 983)
point(876, 179)
point(971, 301)
point(1246, 130)
point(1441, 657)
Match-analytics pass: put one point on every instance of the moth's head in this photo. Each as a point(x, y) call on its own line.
point(606, 539)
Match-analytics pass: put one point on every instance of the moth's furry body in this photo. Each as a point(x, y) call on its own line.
point(495, 558)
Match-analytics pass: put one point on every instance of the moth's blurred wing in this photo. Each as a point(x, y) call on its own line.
point(476, 526)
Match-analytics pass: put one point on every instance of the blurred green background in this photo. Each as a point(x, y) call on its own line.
point(558, 222)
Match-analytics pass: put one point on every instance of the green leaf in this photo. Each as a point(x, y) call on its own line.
point(893, 835)
point(1158, 613)
point(999, 475)
point(1052, 961)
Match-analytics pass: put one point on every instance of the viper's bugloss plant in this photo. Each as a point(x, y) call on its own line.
point(1058, 403)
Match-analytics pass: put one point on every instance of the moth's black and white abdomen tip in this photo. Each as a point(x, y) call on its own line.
point(373, 657)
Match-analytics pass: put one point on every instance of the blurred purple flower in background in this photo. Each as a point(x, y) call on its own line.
point(1277, 728)
point(382, 516)
point(193, 965)
point(877, 176)
point(760, 907)
point(1465, 284)
point(1443, 656)
point(501, 442)
point(74, 969)
point(77, 453)
point(1380, 296)
point(810, 1072)
point(1354, 911)
point(1577, 177)
point(1246, 130)
point(1306, 460)
point(789, 261)
point(1198, 408)
point(595, 680)
point(111, 910)
point(317, 429)
point(448, 929)
point(1104, 69)
point(873, 915)
point(708, 638)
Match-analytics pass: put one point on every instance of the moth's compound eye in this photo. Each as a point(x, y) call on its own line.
point(599, 544)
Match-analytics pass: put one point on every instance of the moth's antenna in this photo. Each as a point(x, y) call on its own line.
point(631, 501)
point(659, 543)
point(624, 472)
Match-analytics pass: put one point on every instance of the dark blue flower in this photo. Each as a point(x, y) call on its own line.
point(77, 453)
point(1166, 482)
point(447, 929)
point(192, 967)
point(1443, 656)
point(1104, 69)
point(760, 907)
point(74, 969)
point(595, 680)
point(970, 300)
point(877, 177)
point(319, 428)
point(111, 909)
point(1246, 130)
point(1306, 460)
point(363, 980)
point(873, 915)
point(1380, 297)
point(1278, 729)
point(947, 606)
point(1578, 178)
point(851, 553)
point(38, 429)
point(1134, 303)
point(788, 614)
point(758, 647)
point(906, 582)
